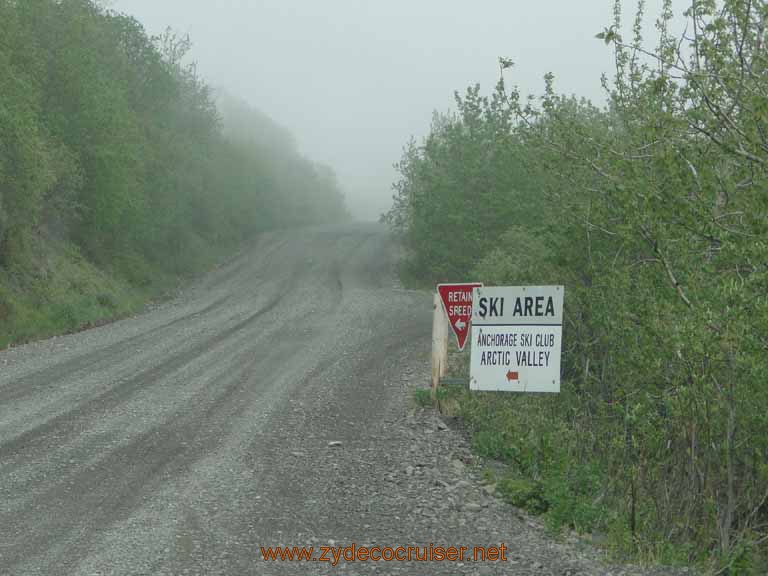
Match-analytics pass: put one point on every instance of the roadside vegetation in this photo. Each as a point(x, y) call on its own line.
point(652, 210)
point(118, 172)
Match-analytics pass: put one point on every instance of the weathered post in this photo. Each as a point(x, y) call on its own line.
point(439, 343)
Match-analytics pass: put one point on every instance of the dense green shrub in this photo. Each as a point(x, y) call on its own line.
point(653, 212)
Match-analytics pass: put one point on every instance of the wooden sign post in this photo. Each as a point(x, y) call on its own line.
point(439, 343)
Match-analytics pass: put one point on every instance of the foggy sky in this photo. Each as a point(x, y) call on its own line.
point(355, 79)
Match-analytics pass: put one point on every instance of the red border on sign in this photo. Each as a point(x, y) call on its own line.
point(461, 335)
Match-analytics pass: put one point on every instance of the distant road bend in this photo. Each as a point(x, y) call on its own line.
point(182, 440)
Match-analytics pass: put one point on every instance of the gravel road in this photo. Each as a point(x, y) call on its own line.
point(269, 404)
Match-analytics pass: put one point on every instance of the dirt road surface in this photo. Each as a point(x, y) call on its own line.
point(269, 404)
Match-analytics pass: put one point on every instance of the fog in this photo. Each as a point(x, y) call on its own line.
point(355, 79)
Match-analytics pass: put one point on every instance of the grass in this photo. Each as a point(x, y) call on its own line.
point(422, 397)
point(58, 292)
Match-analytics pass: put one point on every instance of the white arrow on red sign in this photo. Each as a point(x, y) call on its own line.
point(457, 301)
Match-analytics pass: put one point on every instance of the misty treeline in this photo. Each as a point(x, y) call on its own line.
point(653, 212)
point(112, 145)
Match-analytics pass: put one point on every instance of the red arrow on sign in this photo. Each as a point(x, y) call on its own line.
point(512, 376)
point(457, 301)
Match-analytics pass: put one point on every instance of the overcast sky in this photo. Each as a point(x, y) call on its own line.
point(354, 79)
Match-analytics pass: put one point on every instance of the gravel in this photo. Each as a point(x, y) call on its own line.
point(269, 404)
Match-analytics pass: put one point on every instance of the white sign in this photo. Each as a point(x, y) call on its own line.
point(517, 334)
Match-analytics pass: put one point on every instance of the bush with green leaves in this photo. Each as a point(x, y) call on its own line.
point(653, 212)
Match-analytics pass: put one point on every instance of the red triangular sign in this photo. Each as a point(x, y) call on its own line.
point(457, 302)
